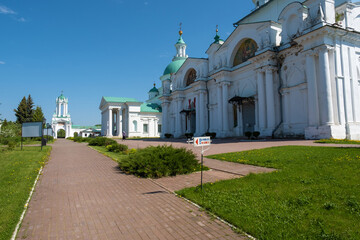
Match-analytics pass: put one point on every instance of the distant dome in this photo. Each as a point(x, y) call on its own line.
point(154, 89)
point(174, 66)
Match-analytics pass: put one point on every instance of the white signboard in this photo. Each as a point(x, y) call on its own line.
point(201, 141)
point(31, 129)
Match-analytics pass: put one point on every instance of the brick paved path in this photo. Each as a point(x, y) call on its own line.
point(83, 195)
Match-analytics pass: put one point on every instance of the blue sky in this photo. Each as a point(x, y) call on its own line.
point(94, 48)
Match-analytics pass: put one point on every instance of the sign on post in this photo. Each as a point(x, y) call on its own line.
point(31, 129)
point(201, 141)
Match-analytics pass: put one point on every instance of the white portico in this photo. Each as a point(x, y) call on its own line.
point(127, 115)
point(289, 69)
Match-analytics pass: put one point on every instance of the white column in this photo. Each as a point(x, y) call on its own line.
point(197, 112)
point(348, 99)
point(286, 109)
point(325, 94)
point(355, 84)
point(225, 99)
point(313, 106)
point(118, 122)
point(165, 120)
point(256, 127)
point(261, 100)
point(270, 100)
point(177, 118)
point(219, 108)
point(110, 123)
point(202, 113)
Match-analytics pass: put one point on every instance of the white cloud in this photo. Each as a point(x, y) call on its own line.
point(2, 62)
point(21, 19)
point(6, 10)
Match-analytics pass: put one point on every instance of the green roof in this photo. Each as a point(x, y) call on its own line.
point(174, 66)
point(180, 41)
point(62, 97)
point(154, 89)
point(120, 99)
point(85, 127)
point(150, 107)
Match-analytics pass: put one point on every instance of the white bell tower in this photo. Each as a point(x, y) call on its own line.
point(61, 119)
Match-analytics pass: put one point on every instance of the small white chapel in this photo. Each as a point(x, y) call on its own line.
point(289, 69)
point(130, 117)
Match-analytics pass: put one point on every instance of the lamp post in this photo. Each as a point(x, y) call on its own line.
point(43, 143)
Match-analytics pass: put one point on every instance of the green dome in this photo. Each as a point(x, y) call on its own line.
point(62, 97)
point(174, 66)
point(154, 89)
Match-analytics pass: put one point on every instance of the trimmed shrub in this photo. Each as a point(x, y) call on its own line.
point(248, 134)
point(76, 134)
point(256, 134)
point(70, 138)
point(160, 161)
point(101, 141)
point(168, 135)
point(81, 139)
point(189, 135)
point(212, 135)
point(117, 147)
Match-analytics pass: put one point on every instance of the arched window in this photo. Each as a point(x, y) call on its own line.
point(191, 76)
point(135, 125)
point(246, 50)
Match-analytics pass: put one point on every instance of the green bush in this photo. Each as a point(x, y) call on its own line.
point(76, 134)
point(70, 138)
point(189, 135)
point(256, 134)
point(117, 147)
point(248, 134)
point(81, 139)
point(212, 135)
point(11, 145)
point(101, 141)
point(160, 161)
point(168, 135)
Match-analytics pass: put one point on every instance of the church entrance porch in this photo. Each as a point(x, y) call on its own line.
point(248, 117)
point(190, 120)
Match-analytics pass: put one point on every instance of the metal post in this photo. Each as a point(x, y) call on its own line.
point(21, 143)
point(202, 160)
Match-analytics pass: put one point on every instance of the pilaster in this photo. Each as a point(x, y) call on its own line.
point(325, 91)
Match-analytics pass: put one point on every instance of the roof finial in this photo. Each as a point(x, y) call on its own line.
point(180, 32)
point(154, 84)
point(217, 37)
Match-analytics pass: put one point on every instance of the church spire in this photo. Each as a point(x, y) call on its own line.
point(180, 47)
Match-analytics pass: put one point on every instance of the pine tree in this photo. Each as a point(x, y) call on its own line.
point(30, 109)
point(21, 111)
point(38, 115)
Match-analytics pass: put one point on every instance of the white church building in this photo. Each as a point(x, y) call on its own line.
point(61, 120)
point(134, 118)
point(289, 69)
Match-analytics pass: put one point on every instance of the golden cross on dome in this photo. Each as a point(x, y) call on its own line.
point(180, 32)
point(217, 28)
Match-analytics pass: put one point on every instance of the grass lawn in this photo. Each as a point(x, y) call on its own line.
point(18, 171)
point(338, 141)
point(315, 194)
